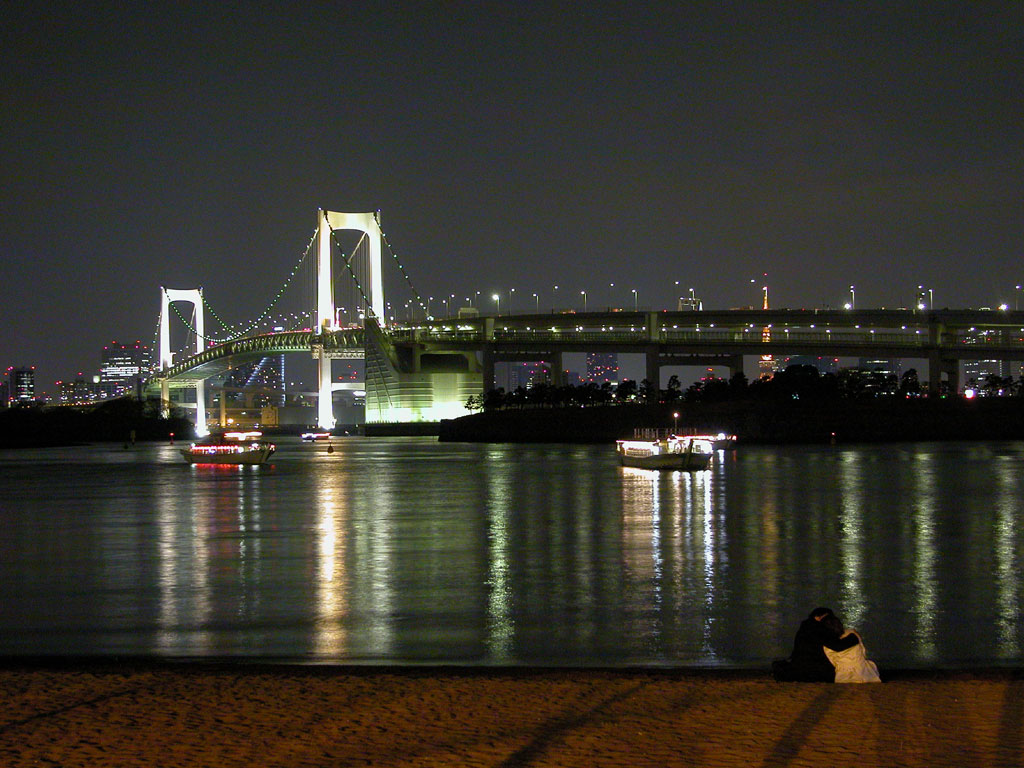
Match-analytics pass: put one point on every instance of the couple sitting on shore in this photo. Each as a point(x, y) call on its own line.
point(823, 652)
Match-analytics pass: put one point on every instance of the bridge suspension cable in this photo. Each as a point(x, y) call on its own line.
point(235, 334)
point(401, 268)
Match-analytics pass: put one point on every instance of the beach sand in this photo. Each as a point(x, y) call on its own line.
point(154, 714)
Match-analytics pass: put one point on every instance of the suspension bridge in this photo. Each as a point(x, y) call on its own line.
point(424, 369)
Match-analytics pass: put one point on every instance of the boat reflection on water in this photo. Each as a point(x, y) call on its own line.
point(230, 448)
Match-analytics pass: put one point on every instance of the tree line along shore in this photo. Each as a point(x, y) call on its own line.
point(122, 419)
point(797, 405)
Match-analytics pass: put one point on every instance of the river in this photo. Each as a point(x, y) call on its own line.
point(411, 551)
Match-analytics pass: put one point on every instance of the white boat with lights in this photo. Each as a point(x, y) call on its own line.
point(672, 452)
point(719, 442)
point(312, 437)
point(230, 448)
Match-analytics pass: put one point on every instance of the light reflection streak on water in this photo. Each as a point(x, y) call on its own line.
point(331, 602)
point(167, 570)
point(374, 540)
point(924, 557)
point(185, 601)
point(657, 569)
point(248, 507)
point(851, 535)
point(584, 574)
point(700, 481)
point(500, 626)
point(1006, 475)
point(639, 494)
point(768, 533)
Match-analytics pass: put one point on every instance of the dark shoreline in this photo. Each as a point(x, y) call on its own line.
point(319, 668)
point(754, 422)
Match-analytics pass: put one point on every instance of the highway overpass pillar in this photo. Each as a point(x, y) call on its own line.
point(937, 365)
point(488, 368)
point(735, 365)
point(557, 370)
point(653, 372)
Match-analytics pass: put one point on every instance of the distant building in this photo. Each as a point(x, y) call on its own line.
point(77, 391)
point(978, 370)
point(5, 394)
point(823, 364)
point(602, 367)
point(528, 374)
point(881, 365)
point(21, 384)
point(121, 367)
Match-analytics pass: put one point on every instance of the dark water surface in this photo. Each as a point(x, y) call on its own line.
point(408, 550)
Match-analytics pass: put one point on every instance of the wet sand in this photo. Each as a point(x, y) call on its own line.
point(155, 714)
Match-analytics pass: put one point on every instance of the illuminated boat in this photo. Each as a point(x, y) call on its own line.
point(230, 448)
point(673, 452)
point(719, 442)
point(314, 436)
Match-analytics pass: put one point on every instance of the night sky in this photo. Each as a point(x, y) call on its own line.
point(507, 145)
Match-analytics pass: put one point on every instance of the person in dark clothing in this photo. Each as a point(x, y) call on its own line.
point(808, 662)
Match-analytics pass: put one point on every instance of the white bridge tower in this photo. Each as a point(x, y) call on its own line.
point(327, 222)
point(195, 297)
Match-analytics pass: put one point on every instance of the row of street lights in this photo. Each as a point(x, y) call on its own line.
point(496, 298)
point(473, 300)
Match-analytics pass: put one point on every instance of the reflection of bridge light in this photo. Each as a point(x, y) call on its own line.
point(924, 558)
point(1007, 574)
point(331, 584)
point(851, 535)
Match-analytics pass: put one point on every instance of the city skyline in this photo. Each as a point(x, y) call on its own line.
point(625, 155)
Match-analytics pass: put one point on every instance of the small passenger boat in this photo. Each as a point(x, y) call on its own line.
point(673, 452)
point(312, 437)
point(230, 448)
point(720, 441)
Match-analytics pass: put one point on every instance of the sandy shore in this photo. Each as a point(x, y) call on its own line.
point(220, 715)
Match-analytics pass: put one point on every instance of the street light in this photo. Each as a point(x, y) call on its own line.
point(1015, 295)
point(536, 299)
point(635, 300)
point(853, 298)
point(554, 295)
point(675, 423)
point(510, 292)
point(584, 295)
point(497, 301)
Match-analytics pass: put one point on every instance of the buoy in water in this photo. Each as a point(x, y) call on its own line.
point(330, 448)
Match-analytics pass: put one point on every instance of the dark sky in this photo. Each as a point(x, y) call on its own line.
point(507, 145)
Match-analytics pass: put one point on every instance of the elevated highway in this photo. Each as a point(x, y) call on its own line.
point(346, 343)
point(724, 337)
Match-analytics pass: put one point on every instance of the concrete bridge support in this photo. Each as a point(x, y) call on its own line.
point(652, 369)
point(557, 370)
point(938, 365)
point(403, 387)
